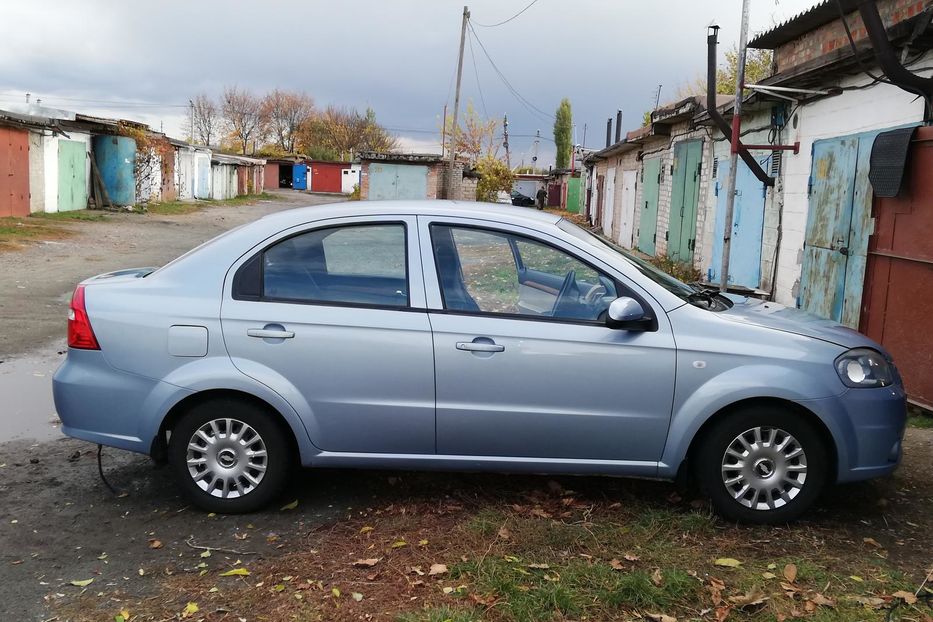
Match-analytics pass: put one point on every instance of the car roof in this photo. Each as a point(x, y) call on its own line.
point(466, 209)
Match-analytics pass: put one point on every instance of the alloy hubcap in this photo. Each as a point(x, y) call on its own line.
point(764, 468)
point(226, 458)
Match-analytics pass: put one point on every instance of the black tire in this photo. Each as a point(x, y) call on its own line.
point(709, 462)
point(277, 462)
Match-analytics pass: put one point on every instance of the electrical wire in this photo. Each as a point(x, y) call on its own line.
point(531, 4)
point(476, 74)
point(524, 102)
point(845, 24)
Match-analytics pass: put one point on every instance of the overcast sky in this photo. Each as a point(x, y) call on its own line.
point(397, 56)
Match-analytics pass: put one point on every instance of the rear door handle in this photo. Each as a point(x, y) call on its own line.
point(472, 346)
point(264, 333)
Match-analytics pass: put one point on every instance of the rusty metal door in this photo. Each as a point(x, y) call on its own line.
point(899, 276)
point(14, 172)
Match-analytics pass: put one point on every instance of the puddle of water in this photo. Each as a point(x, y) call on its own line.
point(27, 409)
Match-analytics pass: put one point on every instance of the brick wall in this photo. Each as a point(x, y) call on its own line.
point(832, 36)
point(364, 180)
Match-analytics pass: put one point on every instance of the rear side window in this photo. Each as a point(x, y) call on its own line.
point(352, 265)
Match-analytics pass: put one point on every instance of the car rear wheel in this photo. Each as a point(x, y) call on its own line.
point(229, 456)
point(763, 464)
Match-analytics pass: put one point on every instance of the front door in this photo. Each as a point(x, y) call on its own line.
point(524, 364)
point(685, 184)
point(648, 221)
point(326, 317)
point(627, 204)
point(300, 176)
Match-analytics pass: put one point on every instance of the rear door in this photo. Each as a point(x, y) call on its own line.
point(332, 317)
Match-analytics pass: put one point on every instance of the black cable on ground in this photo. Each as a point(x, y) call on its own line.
point(100, 469)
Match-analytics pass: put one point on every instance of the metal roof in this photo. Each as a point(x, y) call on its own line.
point(822, 13)
point(401, 157)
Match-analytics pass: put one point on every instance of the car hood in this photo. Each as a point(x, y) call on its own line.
point(779, 317)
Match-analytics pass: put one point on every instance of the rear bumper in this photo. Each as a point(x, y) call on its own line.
point(868, 427)
point(103, 405)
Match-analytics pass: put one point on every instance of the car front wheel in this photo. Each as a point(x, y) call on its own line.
point(764, 465)
point(229, 457)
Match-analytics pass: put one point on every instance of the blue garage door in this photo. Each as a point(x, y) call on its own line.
point(300, 177)
point(398, 181)
point(747, 224)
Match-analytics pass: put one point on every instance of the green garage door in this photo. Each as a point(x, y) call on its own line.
point(398, 181)
point(72, 175)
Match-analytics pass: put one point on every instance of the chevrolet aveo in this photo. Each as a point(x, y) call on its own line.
point(439, 335)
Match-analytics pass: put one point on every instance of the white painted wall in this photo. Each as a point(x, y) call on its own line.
point(223, 181)
point(877, 107)
point(349, 177)
point(184, 173)
point(36, 172)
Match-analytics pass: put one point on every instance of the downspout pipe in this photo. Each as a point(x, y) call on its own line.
point(712, 40)
point(887, 57)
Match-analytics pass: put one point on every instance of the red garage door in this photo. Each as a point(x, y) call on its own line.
point(898, 290)
point(326, 177)
point(14, 172)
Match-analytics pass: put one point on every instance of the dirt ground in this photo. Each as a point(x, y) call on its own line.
point(511, 547)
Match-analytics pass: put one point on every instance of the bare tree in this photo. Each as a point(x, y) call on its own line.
point(285, 112)
point(344, 131)
point(476, 136)
point(205, 115)
point(242, 115)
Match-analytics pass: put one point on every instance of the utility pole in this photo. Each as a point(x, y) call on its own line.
point(734, 156)
point(534, 157)
point(505, 141)
point(444, 132)
point(191, 121)
point(453, 131)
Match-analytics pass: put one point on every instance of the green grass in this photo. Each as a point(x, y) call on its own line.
point(920, 421)
point(442, 614)
point(81, 214)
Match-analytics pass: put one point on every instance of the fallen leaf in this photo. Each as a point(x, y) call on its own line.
point(335, 591)
point(206, 554)
point(856, 578)
point(790, 572)
point(722, 613)
point(422, 542)
point(751, 598)
point(236, 572)
point(768, 575)
point(728, 562)
point(366, 563)
point(869, 601)
point(772, 566)
point(189, 610)
point(289, 506)
point(437, 569)
point(615, 564)
point(872, 542)
point(656, 577)
point(366, 529)
point(241, 535)
point(631, 557)
point(448, 590)
point(357, 596)
point(821, 600)
point(417, 570)
point(123, 616)
point(660, 617)
point(280, 587)
point(539, 566)
point(907, 597)
point(82, 582)
point(504, 533)
point(540, 513)
point(155, 544)
point(399, 544)
point(141, 572)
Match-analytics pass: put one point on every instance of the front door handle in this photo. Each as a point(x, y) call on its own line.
point(473, 346)
point(265, 333)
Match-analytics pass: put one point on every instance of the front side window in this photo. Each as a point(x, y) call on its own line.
point(355, 265)
point(483, 271)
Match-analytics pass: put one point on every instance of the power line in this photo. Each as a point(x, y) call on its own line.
point(524, 102)
point(531, 4)
point(476, 74)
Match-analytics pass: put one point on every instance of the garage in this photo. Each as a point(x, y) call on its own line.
point(14, 172)
point(398, 181)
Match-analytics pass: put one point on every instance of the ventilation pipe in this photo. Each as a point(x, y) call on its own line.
point(618, 126)
point(608, 132)
point(712, 40)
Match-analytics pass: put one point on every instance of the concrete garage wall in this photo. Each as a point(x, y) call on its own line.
point(877, 107)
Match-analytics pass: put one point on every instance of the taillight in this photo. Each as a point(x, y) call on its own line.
point(80, 333)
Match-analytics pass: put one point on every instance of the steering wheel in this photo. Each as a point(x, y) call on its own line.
point(594, 293)
point(569, 283)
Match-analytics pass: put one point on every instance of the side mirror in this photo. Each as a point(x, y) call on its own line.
point(627, 314)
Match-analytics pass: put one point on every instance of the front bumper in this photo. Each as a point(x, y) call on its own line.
point(868, 427)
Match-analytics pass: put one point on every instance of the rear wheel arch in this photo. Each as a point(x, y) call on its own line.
point(159, 448)
point(806, 414)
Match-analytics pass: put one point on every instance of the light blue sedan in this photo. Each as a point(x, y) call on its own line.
point(438, 335)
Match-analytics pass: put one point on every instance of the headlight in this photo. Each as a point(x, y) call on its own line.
point(863, 367)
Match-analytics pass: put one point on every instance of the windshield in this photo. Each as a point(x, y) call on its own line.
point(663, 279)
point(695, 295)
